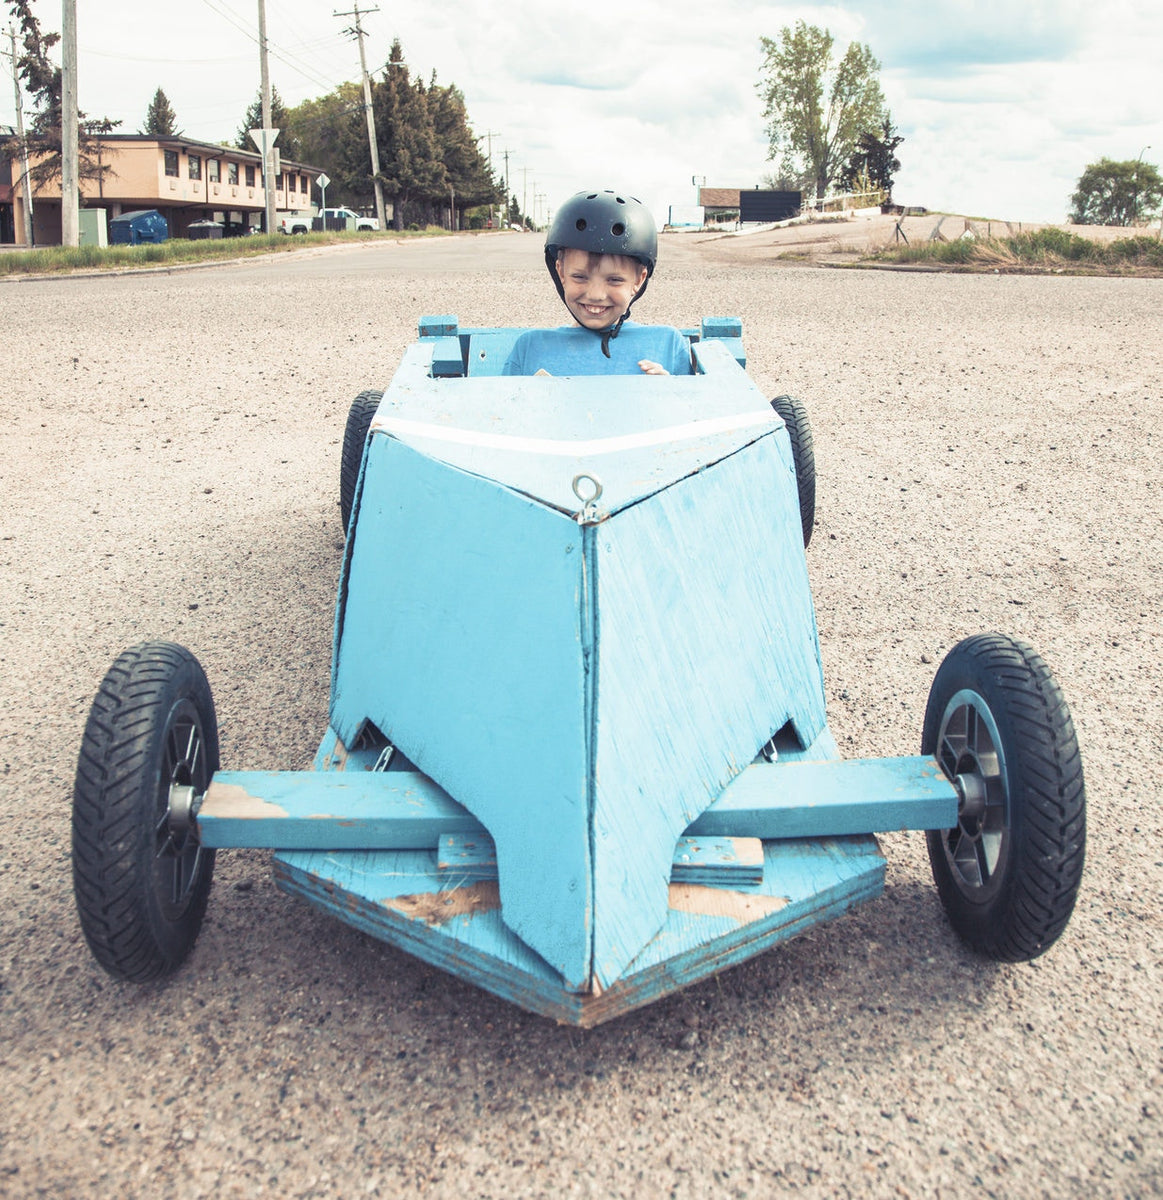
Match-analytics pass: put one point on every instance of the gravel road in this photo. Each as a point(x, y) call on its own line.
point(988, 451)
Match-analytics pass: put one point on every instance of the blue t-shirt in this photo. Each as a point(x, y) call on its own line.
point(572, 350)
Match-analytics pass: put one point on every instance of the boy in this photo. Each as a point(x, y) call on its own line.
point(600, 253)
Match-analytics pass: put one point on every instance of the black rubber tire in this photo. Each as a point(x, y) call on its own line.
point(141, 891)
point(1009, 872)
point(359, 419)
point(795, 417)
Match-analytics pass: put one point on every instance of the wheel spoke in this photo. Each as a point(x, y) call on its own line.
point(967, 752)
point(963, 855)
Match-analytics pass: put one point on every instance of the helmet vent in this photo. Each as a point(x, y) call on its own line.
point(582, 224)
point(617, 229)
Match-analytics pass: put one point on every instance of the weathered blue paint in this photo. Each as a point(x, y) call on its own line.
point(445, 325)
point(791, 799)
point(447, 360)
point(584, 687)
point(397, 897)
point(721, 327)
point(488, 349)
point(401, 810)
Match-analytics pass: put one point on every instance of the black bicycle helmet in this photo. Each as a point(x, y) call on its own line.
point(603, 222)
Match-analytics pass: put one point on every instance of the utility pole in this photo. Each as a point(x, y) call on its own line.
point(508, 189)
point(267, 147)
point(29, 236)
point(524, 196)
point(70, 132)
point(377, 183)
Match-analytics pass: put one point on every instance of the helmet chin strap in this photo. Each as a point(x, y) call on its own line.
point(608, 334)
point(613, 332)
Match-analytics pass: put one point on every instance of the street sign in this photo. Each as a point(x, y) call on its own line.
point(323, 180)
point(264, 139)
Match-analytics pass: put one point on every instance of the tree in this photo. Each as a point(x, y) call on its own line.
point(330, 132)
point(287, 145)
point(410, 164)
point(42, 81)
point(817, 107)
point(466, 168)
point(874, 159)
point(160, 118)
point(1117, 193)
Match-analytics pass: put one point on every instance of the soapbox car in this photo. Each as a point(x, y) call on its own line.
point(577, 749)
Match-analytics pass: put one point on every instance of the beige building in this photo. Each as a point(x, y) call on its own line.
point(185, 180)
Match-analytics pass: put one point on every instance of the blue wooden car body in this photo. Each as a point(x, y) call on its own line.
point(571, 613)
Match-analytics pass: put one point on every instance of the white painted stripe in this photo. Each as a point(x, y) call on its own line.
point(566, 448)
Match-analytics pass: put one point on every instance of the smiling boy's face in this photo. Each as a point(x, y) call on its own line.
point(599, 287)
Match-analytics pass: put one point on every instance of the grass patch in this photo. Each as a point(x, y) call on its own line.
point(57, 260)
point(1045, 250)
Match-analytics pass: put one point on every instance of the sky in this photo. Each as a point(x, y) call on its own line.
point(1002, 105)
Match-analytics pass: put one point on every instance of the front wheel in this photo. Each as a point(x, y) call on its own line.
point(795, 417)
point(141, 878)
point(1008, 872)
point(359, 419)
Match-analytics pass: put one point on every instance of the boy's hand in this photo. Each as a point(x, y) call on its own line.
point(652, 368)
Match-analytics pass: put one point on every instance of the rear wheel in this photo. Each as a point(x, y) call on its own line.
point(1008, 872)
point(795, 417)
point(359, 419)
point(141, 878)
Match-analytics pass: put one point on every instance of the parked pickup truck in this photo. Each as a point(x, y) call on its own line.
point(300, 223)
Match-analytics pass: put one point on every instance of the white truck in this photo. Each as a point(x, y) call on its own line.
point(302, 222)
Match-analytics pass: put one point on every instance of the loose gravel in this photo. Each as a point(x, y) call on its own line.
point(988, 454)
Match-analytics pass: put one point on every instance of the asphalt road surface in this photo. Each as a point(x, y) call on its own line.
point(988, 453)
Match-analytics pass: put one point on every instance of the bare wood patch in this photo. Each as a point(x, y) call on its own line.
point(719, 902)
point(438, 908)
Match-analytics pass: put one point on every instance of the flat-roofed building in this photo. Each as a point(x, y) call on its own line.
point(184, 179)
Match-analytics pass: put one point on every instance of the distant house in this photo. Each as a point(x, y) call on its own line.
point(747, 205)
point(186, 180)
point(720, 205)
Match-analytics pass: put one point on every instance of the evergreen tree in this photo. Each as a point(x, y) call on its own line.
point(410, 164)
point(42, 81)
point(875, 160)
point(160, 118)
point(467, 169)
point(288, 146)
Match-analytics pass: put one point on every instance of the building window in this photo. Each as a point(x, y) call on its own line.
point(171, 158)
point(250, 176)
point(212, 170)
point(303, 186)
point(279, 182)
point(195, 166)
point(232, 172)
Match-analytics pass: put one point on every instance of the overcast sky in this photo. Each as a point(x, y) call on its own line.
point(1001, 104)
